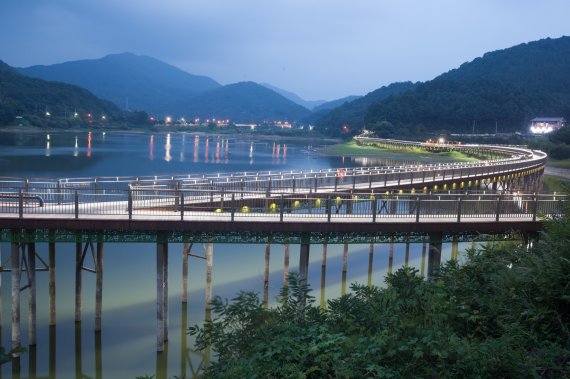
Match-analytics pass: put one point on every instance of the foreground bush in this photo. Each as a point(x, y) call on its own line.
point(505, 312)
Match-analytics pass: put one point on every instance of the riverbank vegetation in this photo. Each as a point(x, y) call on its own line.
point(411, 153)
point(504, 312)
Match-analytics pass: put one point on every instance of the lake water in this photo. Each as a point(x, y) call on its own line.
point(127, 344)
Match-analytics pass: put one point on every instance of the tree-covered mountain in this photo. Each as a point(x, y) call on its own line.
point(29, 100)
point(354, 112)
point(130, 81)
point(242, 102)
point(335, 103)
point(503, 89)
point(309, 104)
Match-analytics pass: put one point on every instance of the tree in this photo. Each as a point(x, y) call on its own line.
point(505, 312)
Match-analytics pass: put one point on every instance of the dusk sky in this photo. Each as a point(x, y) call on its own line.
point(319, 49)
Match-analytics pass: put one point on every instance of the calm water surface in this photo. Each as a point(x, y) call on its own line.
point(127, 344)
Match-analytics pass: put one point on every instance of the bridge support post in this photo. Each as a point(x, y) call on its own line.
point(98, 284)
point(454, 248)
point(423, 266)
point(209, 265)
point(286, 266)
point(344, 268)
point(391, 256)
point(16, 271)
point(434, 255)
point(78, 282)
point(407, 256)
point(161, 293)
point(370, 260)
point(304, 257)
point(52, 351)
point(185, 254)
point(32, 299)
point(266, 274)
point(51, 283)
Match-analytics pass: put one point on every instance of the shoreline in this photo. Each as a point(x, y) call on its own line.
point(34, 130)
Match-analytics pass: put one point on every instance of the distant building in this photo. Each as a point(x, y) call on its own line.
point(543, 125)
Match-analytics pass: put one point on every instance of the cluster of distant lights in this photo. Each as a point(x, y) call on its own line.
point(541, 129)
point(75, 115)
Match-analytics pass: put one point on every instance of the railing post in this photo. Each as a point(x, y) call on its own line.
point(498, 208)
point(335, 182)
point(281, 206)
point(369, 179)
point(233, 211)
point(535, 208)
point(418, 209)
point(353, 179)
point(374, 205)
point(130, 203)
point(20, 203)
point(76, 204)
point(181, 206)
point(328, 208)
point(316, 183)
point(294, 183)
point(222, 200)
point(58, 191)
point(459, 209)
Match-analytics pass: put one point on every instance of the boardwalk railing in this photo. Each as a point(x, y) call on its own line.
point(199, 205)
point(513, 160)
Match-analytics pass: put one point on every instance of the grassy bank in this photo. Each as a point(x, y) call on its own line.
point(412, 153)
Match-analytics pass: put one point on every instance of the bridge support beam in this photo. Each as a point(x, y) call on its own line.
point(434, 255)
point(16, 270)
point(266, 274)
point(370, 261)
point(304, 258)
point(286, 266)
point(31, 271)
point(51, 283)
point(161, 294)
point(78, 282)
point(344, 268)
point(391, 256)
point(98, 285)
point(209, 266)
point(423, 266)
point(185, 255)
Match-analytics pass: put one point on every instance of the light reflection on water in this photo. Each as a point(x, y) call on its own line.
point(126, 346)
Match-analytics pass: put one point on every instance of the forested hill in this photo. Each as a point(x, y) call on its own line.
point(503, 89)
point(131, 81)
point(353, 113)
point(30, 98)
point(243, 102)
